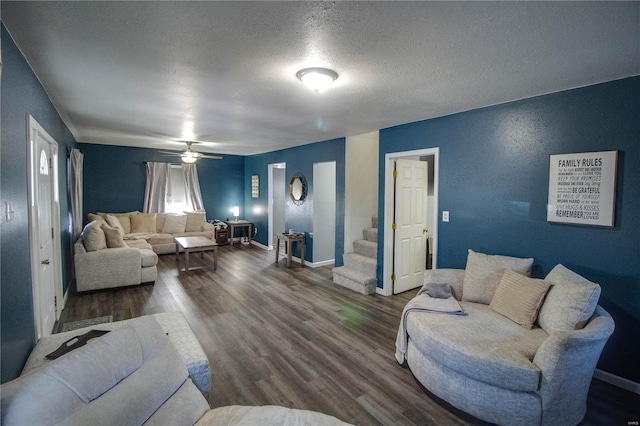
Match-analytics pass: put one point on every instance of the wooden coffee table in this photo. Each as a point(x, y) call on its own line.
point(201, 244)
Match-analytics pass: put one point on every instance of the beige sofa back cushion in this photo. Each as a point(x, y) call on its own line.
point(113, 236)
point(93, 236)
point(195, 221)
point(143, 222)
point(174, 224)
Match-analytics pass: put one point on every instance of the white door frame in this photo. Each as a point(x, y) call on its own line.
point(270, 201)
point(389, 188)
point(33, 129)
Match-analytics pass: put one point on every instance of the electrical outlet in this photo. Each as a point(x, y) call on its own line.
point(445, 216)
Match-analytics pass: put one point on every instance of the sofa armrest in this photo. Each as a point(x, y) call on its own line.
point(107, 268)
point(567, 360)
point(453, 277)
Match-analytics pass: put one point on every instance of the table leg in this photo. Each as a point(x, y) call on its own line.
point(277, 248)
point(177, 253)
point(302, 248)
point(186, 260)
point(288, 253)
point(231, 234)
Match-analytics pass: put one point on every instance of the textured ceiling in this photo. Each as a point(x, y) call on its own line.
point(152, 73)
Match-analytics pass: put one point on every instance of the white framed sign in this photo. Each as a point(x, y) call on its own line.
point(582, 188)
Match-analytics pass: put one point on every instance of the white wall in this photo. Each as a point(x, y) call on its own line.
point(324, 211)
point(361, 185)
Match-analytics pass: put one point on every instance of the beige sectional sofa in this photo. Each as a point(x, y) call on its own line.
point(121, 249)
point(159, 229)
point(513, 350)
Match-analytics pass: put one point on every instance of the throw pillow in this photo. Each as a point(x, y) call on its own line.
point(91, 217)
point(143, 222)
point(194, 222)
point(570, 303)
point(113, 236)
point(483, 273)
point(93, 236)
point(114, 222)
point(437, 290)
point(124, 219)
point(519, 298)
point(174, 224)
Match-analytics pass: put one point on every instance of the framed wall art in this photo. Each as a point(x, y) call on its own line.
point(255, 186)
point(582, 188)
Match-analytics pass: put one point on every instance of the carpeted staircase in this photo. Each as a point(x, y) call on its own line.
point(359, 270)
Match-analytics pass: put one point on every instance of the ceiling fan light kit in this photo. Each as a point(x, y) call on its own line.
point(188, 156)
point(317, 79)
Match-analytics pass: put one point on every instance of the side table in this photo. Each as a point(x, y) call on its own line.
point(233, 224)
point(290, 238)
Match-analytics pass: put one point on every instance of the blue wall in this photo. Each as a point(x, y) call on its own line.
point(22, 94)
point(494, 173)
point(115, 179)
point(299, 159)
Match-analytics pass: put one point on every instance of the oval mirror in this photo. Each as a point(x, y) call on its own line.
point(298, 188)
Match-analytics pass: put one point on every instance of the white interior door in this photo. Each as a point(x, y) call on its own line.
point(46, 286)
point(45, 256)
point(411, 224)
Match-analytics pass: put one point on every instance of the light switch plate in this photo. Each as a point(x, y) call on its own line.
point(445, 216)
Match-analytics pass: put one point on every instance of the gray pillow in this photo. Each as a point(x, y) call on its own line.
point(570, 302)
point(437, 290)
point(484, 272)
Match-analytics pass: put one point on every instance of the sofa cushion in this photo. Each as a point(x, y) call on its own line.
point(161, 239)
point(113, 236)
point(570, 303)
point(483, 345)
point(139, 243)
point(195, 220)
point(519, 298)
point(266, 415)
point(123, 218)
point(114, 223)
point(93, 236)
point(143, 222)
point(91, 217)
point(483, 273)
point(174, 224)
point(149, 258)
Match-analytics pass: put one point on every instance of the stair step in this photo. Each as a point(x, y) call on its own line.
point(354, 280)
point(370, 234)
point(366, 248)
point(363, 264)
point(374, 221)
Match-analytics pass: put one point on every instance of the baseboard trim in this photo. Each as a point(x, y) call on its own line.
point(618, 381)
point(262, 246)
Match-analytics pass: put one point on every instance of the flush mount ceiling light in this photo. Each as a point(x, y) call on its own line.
point(317, 79)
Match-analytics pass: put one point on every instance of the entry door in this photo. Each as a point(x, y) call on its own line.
point(42, 225)
point(411, 224)
point(46, 285)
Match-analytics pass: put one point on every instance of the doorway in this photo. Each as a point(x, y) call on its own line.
point(44, 226)
point(431, 157)
point(324, 213)
point(277, 192)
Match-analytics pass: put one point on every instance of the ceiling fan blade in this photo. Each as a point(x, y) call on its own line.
point(212, 157)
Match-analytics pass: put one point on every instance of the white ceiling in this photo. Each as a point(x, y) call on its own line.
point(148, 73)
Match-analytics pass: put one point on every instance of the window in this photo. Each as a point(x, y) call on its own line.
point(177, 202)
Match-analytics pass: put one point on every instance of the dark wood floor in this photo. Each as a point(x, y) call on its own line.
point(291, 337)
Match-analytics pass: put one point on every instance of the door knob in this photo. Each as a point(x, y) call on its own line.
point(425, 230)
point(45, 262)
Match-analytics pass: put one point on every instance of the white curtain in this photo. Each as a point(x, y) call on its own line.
point(158, 189)
point(75, 188)
point(192, 187)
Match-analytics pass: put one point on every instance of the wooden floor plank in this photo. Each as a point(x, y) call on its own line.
point(289, 336)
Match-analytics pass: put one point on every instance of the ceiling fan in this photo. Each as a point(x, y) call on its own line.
point(189, 156)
